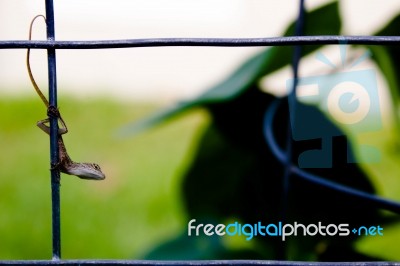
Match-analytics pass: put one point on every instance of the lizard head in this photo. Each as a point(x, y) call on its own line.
point(89, 171)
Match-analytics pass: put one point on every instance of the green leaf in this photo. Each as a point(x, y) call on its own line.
point(228, 89)
point(387, 58)
point(324, 20)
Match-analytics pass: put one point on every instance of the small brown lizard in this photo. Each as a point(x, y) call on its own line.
point(90, 171)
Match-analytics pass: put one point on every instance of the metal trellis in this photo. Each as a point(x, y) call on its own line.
point(284, 156)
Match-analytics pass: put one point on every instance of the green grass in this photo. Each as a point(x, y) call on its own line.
point(139, 205)
point(135, 208)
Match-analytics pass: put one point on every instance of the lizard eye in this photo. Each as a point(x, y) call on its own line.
point(96, 166)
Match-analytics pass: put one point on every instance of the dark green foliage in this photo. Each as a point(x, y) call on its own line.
point(387, 58)
point(235, 175)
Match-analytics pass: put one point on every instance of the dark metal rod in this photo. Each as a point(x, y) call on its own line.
point(289, 143)
point(211, 42)
point(279, 153)
point(190, 263)
point(55, 173)
point(292, 101)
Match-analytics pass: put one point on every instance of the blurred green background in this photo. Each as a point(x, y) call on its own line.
point(137, 206)
point(198, 165)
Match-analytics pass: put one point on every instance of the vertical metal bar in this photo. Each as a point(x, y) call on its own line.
point(55, 173)
point(291, 101)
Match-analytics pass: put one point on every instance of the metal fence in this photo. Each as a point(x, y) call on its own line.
point(285, 156)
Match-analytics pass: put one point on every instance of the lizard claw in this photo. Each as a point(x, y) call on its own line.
point(55, 166)
point(52, 112)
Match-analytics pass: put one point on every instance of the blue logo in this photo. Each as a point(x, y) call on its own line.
point(282, 230)
point(348, 98)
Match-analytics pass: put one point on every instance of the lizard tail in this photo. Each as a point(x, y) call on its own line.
point(28, 65)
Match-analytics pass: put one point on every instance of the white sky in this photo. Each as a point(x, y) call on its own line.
point(160, 74)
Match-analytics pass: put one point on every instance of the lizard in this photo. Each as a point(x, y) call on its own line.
point(91, 171)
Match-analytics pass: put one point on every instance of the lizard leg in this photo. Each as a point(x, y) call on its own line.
point(42, 125)
point(52, 112)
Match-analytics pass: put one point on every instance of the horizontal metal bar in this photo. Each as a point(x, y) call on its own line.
point(192, 263)
point(212, 42)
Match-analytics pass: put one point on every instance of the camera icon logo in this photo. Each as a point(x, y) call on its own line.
point(347, 98)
